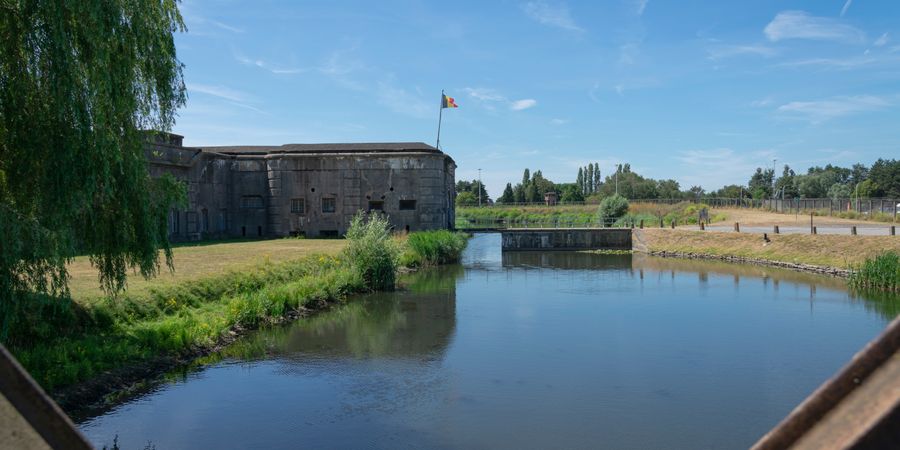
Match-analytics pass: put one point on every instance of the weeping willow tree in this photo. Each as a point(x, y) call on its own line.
point(79, 82)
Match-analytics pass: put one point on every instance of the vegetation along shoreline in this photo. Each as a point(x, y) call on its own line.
point(92, 354)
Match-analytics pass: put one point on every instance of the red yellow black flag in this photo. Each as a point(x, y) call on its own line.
point(448, 102)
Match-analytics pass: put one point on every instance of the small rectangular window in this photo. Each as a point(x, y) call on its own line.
point(376, 206)
point(328, 205)
point(174, 225)
point(223, 220)
point(193, 224)
point(251, 201)
point(407, 205)
point(298, 206)
point(204, 218)
point(329, 233)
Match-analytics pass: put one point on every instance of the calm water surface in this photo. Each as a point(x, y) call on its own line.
point(521, 350)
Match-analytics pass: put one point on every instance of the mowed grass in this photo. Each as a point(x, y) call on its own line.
point(194, 261)
point(822, 250)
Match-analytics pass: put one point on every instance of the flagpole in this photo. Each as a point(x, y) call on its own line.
point(440, 116)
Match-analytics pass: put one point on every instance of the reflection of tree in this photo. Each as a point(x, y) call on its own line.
point(417, 320)
point(885, 304)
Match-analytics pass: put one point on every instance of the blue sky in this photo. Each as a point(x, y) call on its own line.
point(699, 91)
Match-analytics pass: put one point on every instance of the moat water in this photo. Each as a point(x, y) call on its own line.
point(521, 350)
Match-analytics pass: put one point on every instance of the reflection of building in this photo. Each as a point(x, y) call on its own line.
point(308, 189)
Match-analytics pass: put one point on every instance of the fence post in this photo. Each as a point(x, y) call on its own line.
point(893, 230)
point(737, 227)
point(853, 230)
point(813, 230)
point(777, 231)
point(702, 227)
point(673, 223)
point(642, 224)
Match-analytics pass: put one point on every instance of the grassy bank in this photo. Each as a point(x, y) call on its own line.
point(821, 250)
point(581, 215)
point(63, 342)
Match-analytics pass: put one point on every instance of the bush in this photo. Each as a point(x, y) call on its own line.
point(612, 208)
point(879, 273)
point(428, 248)
point(371, 251)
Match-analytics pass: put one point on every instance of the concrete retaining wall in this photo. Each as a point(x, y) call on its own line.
point(567, 239)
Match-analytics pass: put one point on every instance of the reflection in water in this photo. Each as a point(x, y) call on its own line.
point(523, 350)
point(417, 321)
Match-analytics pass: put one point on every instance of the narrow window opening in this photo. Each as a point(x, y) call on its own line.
point(407, 205)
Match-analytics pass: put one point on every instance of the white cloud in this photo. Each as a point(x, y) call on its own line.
point(640, 6)
point(846, 7)
point(881, 41)
point(526, 103)
point(725, 51)
point(274, 68)
point(484, 94)
point(801, 25)
point(556, 121)
point(823, 110)
point(848, 63)
point(553, 15)
point(763, 102)
point(219, 91)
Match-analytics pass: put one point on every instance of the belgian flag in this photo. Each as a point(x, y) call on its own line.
point(448, 102)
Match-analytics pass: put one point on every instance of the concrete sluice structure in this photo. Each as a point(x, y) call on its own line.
point(303, 189)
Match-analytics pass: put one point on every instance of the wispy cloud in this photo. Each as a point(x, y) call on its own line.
point(556, 15)
point(526, 103)
point(490, 99)
point(403, 101)
point(848, 63)
point(628, 53)
point(727, 51)
point(822, 110)
point(846, 7)
point(274, 68)
point(763, 102)
point(801, 25)
point(557, 121)
point(882, 40)
point(640, 6)
point(220, 91)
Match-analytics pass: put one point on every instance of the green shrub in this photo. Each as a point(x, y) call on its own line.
point(371, 250)
point(612, 208)
point(879, 273)
point(428, 248)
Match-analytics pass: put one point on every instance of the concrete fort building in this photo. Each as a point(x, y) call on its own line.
point(303, 189)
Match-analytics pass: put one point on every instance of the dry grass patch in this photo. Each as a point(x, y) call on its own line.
point(822, 250)
point(756, 217)
point(199, 260)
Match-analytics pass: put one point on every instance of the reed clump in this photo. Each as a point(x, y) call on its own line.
point(881, 272)
point(430, 248)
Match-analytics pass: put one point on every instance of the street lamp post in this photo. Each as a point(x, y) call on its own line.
point(479, 188)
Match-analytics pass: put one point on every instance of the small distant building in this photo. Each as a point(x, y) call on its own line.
point(550, 198)
point(303, 189)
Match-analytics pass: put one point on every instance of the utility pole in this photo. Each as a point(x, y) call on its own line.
point(618, 167)
point(479, 188)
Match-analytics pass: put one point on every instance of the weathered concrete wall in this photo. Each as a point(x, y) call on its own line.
point(257, 195)
point(567, 239)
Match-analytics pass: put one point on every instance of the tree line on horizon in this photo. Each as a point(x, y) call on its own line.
point(881, 180)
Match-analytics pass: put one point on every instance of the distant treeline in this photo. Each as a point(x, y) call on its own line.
point(882, 179)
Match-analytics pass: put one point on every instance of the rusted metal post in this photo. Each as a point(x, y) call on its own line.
point(853, 230)
point(893, 230)
point(737, 227)
point(673, 223)
point(811, 227)
point(814, 230)
point(642, 224)
point(777, 231)
point(660, 222)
